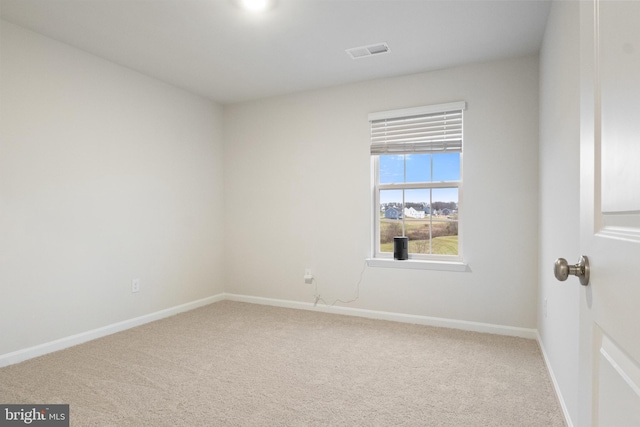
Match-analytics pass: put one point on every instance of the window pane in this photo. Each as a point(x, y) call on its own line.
point(446, 167)
point(416, 222)
point(445, 198)
point(444, 233)
point(418, 167)
point(392, 169)
point(391, 215)
point(445, 237)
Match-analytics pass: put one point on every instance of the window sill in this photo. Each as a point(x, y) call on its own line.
point(415, 264)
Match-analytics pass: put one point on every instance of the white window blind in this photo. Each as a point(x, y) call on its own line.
point(433, 128)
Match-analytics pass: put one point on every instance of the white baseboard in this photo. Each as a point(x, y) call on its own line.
point(556, 387)
point(396, 317)
point(70, 341)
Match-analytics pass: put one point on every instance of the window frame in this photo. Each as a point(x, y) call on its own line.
point(377, 187)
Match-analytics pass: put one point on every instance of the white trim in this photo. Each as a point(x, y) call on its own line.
point(72, 340)
point(420, 185)
point(415, 264)
point(556, 386)
point(394, 317)
point(406, 112)
point(623, 365)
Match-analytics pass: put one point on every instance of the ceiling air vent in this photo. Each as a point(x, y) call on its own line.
point(363, 51)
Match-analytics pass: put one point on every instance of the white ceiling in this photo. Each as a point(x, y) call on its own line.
point(213, 48)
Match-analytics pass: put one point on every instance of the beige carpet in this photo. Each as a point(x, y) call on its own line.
point(236, 364)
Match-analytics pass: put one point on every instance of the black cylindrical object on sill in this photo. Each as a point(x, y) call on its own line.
point(401, 248)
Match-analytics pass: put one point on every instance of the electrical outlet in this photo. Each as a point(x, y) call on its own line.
point(308, 277)
point(135, 285)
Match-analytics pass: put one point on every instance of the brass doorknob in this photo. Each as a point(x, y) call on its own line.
point(562, 270)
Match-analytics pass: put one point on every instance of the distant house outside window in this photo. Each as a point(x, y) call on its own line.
point(417, 161)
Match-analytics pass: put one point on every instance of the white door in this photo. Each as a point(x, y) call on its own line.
point(610, 213)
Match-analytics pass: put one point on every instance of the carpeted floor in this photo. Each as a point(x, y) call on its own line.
point(237, 364)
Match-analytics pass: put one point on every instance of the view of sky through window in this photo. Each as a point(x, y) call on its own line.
point(411, 168)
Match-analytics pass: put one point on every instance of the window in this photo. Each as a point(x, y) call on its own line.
point(417, 163)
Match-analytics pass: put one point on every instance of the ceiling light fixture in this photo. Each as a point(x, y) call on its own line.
point(255, 5)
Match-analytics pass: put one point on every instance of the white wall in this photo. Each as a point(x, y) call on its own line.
point(105, 175)
point(559, 194)
point(298, 195)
